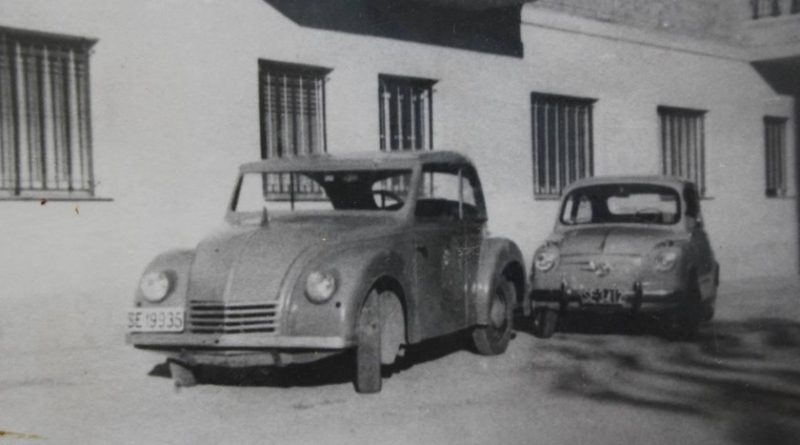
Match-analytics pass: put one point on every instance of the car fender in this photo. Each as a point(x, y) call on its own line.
point(358, 269)
point(497, 255)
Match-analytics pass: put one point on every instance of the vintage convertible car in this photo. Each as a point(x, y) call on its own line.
point(322, 255)
point(627, 244)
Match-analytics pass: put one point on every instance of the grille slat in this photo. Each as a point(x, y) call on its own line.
point(215, 318)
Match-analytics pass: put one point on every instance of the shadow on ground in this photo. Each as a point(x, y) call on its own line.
point(332, 370)
point(745, 374)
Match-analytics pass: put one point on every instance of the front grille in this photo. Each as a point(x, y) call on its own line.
point(211, 317)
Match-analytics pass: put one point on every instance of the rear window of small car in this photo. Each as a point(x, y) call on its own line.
point(372, 190)
point(621, 203)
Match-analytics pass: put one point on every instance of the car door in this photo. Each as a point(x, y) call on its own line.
point(473, 222)
point(438, 251)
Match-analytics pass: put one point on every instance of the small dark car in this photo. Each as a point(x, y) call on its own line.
point(323, 255)
point(634, 245)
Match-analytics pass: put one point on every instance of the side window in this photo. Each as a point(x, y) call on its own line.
point(449, 194)
point(577, 210)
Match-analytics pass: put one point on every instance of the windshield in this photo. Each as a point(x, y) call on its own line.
point(384, 190)
point(621, 203)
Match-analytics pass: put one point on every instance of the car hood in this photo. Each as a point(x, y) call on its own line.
point(619, 240)
point(248, 263)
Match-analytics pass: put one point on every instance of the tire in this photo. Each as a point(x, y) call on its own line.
point(380, 333)
point(708, 310)
point(493, 338)
point(685, 321)
point(183, 376)
point(544, 323)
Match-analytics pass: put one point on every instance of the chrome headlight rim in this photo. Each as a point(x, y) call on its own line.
point(546, 259)
point(156, 286)
point(320, 285)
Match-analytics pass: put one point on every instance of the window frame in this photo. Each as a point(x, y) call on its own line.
point(385, 124)
point(689, 138)
point(580, 146)
point(465, 174)
point(47, 121)
point(294, 69)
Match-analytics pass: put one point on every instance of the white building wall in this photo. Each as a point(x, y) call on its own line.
point(175, 110)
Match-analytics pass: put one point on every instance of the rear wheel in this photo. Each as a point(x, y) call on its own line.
point(493, 338)
point(685, 321)
point(380, 333)
point(708, 310)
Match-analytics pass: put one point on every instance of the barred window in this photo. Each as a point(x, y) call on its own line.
point(45, 117)
point(406, 113)
point(683, 144)
point(773, 8)
point(775, 154)
point(292, 102)
point(562, 142)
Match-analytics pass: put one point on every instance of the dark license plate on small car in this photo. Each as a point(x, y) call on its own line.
point(601, 296)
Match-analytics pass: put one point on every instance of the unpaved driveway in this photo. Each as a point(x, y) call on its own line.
point(739, 383)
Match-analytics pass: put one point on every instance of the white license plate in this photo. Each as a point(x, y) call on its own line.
point(601, 296)
point(155, 320)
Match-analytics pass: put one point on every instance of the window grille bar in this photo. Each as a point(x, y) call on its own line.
point(19, 112)
point(558, 147)
point(386, 96)
point(301, 127)
point(546, 149)
point(88, 145)
point(701, 181)
point(412, 99)
point(399, 103)
point(427, 119)
point(775, 156)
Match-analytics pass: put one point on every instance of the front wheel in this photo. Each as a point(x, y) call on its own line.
point(380, 333)
point(493, 338)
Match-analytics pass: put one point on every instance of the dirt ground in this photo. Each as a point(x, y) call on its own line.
point(598, 383)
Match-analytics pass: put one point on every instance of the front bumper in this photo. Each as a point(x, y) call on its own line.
point(235, 341)
point(633, 300)
point(238, 350)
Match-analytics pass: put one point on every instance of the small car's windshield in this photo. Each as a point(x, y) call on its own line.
point(621, 203)
point(371, 190)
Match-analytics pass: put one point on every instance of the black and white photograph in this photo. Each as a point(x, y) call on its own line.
point(400, 222)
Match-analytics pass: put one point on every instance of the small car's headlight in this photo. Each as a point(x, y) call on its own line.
point(546, 259)
point(666, 259)
point(155, 286)
point(320, 286)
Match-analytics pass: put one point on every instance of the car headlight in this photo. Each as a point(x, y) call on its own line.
point(320, 286)
point(546, 259)
point(666, 259)
point(155, 286)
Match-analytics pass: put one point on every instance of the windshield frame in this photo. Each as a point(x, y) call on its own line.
point(403, 213)
point(679, 202)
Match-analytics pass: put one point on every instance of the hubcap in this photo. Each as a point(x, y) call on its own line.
point(497, 313)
